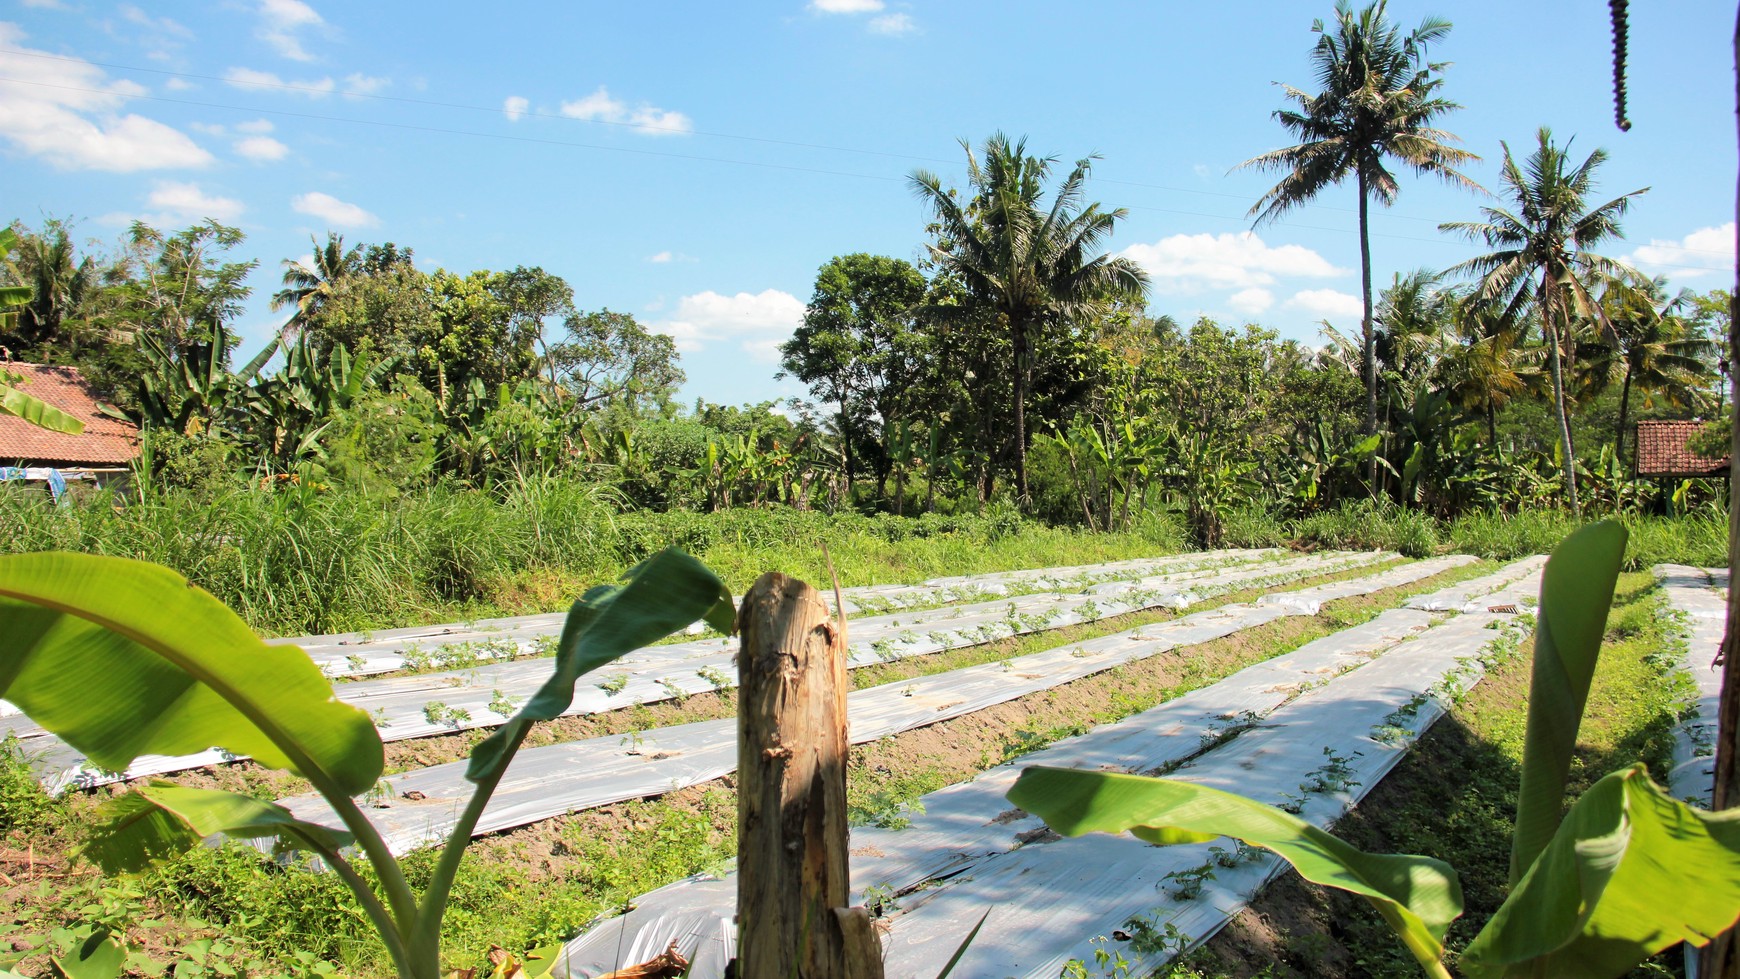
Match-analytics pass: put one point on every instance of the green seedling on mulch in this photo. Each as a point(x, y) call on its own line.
point(121, 658)
point(1627, 872)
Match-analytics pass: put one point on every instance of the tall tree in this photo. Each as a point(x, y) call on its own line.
point(187, 294)
point(1377, 102)
point(1651, 349)
point(1542, 255)
point(856, 347)
point(1039, 268)
point(308, 287)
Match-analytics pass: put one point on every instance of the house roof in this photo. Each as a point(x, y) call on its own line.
point(1661, 450)
point(104, 440)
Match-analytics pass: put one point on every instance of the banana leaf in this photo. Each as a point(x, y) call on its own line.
point(1418, 896)
point(122, 658)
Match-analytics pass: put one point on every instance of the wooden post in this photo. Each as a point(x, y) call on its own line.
point(792, 867)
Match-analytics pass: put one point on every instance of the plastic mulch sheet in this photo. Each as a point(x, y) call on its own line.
point(1692, 597)
point(1361, 693)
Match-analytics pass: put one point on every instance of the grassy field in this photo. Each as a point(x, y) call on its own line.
point(540, 883)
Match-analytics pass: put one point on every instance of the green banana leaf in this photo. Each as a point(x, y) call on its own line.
point(1418, 896)
point(660, 595)
point(1631, 871)
point(101, 956)
point(1576, 593)
point(37, 411)
point(163, 820)
point(122, 658)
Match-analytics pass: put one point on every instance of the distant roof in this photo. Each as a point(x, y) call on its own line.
point(104, 440)
point(1661, 451)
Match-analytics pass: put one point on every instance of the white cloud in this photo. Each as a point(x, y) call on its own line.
point(332, 210)
point(261, 149)
point(1704, 251)
point(515, 106)
point(45, 4)
point(1201, 170)
point(759, 322)
point(601, 107)
point(255, 126)
point(660, 258)
point(174, 84)
point(893, 24)
point(185, 203)
point(1327, 302)
point(1190, 263)
point(846, 6)
point(208, 128)
point(138, 17)
point(280, 22)
point(1251, 301)
point(314, 88)
point(360, 84)
point(72, 118)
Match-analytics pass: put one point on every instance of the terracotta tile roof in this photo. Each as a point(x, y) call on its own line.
point(104, 440)
point(1661, 450)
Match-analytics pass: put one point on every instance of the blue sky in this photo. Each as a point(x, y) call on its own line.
point(694, 163)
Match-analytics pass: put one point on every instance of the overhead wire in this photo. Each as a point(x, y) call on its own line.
point(637, 126)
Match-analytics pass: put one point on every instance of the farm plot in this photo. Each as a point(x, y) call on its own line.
point(428, 704)
point(1337, 712)
point(1692, 598)
point(357, 654)
point(421, 807)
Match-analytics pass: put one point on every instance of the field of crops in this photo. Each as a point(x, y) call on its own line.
point(1312, 727)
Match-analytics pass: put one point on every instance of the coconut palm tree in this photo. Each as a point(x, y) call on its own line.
point(1035, 267)
point(1491, 365)
point(1377, 102)
point(1542, 254)
point(1652, 351)
point(307, 287)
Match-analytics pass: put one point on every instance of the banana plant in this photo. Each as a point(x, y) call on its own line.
point(121, 658)
point(1627, 872)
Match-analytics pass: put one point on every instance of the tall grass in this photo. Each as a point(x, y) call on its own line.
point(292, 560)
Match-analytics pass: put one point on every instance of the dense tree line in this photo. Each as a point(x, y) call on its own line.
point(1018, 358)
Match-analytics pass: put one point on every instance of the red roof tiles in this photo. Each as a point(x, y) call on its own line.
point(105, 440)
point(1661, 450)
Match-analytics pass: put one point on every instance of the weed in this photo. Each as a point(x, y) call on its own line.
point(1187, 883)
point(503, 705)
point(1334, 775)
point(614, 683)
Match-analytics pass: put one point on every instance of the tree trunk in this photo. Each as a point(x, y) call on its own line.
point(793, 880)
point(1368, 343)
point(1491, 424)
point(1018, 331)
point(1721, 958)
point(1556, 362)
point(1624, 410)
point(846, 448)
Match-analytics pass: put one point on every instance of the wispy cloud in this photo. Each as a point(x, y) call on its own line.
point(515, 106)
point(72, 118)
point(339, 214)
point(600, 106)
point(758, 322)
point(360, 84)
point(846, 6)
point(261, 149)
point(251, 78)
point(185, 203)
point(892, 24)
point(281, 23)
point(1327, 302)
point(1240, 260)
point(1705, 251)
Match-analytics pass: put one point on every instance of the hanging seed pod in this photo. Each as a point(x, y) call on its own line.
point(1617, 11)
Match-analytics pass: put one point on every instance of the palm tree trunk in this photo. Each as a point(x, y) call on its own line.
point(1367, 341)
point(1556, 362)
point(1018, 331)
point(1491, 424)
point(1721, 958)
point(1624, 410)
